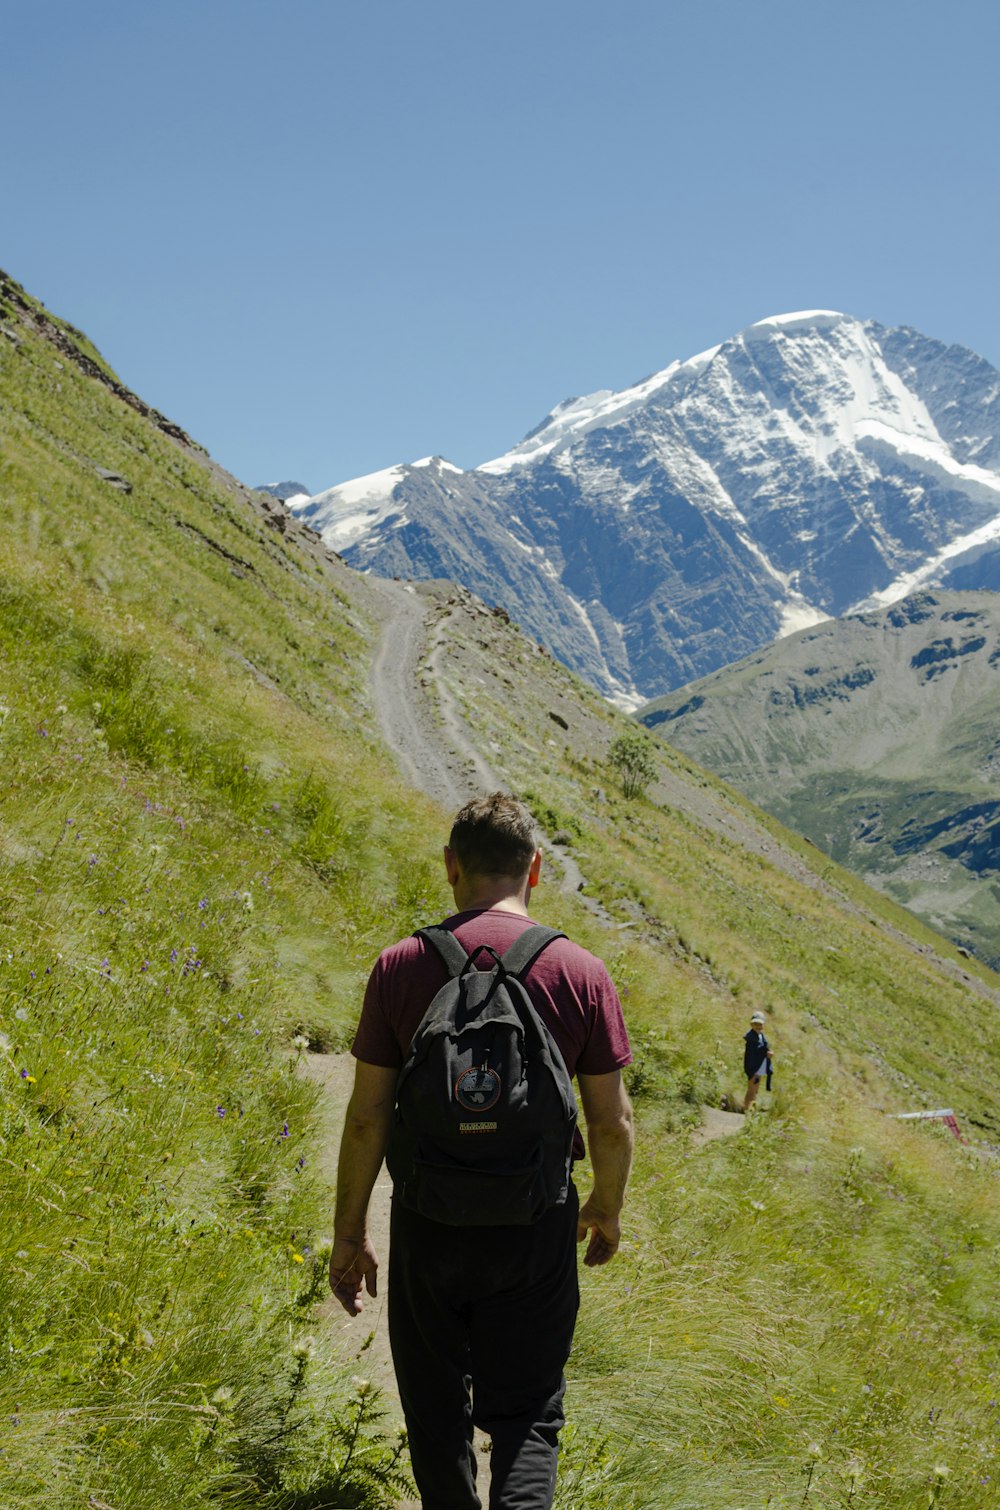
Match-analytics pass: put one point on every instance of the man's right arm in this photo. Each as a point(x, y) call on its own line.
point(354, 1262)
point(608, 1114)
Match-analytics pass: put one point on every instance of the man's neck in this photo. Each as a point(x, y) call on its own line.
point(490, 899)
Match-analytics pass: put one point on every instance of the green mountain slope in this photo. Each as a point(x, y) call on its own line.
point(879, 737)
point(203, 843)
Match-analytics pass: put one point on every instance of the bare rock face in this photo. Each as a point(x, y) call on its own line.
point(812, 465)
point(114, 479)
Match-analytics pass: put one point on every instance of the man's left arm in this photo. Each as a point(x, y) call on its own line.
point(354, 1262)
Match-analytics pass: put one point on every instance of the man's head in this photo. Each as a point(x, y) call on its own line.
point(493, 839)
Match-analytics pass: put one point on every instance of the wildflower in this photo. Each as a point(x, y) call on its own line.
point(92, 861)
point(297, 1258)
point(247, 902)
point(202, 904)
point(223, 1395)
point(814, 1450)
point(941, 1472)
point(29, 1078)
point(302, 1162)
point(173, 954)
point(4, 1044)
point(21, 1014)
point(300, 1041)
point(758, 1206)
point(362, 1386)
point(220, 1111)
point(304, 1347)
point(284, 1131)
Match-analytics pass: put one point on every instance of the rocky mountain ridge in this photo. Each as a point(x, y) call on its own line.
point(812, 465)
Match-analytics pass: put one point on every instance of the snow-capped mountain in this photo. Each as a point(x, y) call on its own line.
point(812, 465)
point(284, 491)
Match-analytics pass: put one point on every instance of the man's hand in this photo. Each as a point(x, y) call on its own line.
point(353, 1267)
point(609, 1132)
point(605, 1234)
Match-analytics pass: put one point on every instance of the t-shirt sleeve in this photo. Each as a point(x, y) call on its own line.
point(374, 1041)
point(607, 1047)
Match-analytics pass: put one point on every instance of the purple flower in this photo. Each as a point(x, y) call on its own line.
point(220, 1111)
point(302, 1162)
point(92, 861)
point(24, 1074)
point(173, 954)
point(145, 966)
point(284, 1131)
point(202, 904)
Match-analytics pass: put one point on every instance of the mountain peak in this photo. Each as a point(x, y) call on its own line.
point(813, 463)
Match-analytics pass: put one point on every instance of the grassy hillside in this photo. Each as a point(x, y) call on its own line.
point(202, 846)
point(877, 737)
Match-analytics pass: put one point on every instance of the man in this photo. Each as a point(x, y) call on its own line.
point(488, 1307)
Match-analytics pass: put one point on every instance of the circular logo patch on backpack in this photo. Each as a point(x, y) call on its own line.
point(477, 1089)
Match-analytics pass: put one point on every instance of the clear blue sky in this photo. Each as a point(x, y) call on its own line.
point(328, 236)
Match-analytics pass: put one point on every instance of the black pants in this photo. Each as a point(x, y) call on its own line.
point(481, 1320)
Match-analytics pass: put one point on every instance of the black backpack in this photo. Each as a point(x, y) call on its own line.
point(485, 1111)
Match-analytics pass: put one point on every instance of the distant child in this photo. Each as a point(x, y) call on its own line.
point(756, 1059)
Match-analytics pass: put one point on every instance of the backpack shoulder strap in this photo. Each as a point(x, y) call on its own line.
point(447, 946)
point(527, 947)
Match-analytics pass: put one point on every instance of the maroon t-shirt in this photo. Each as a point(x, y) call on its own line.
point(570, 989)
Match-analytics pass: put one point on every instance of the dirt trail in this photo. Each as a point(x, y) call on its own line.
point(429, 744)
point(716, 1124)
point(422, 722)
point(362, 1339)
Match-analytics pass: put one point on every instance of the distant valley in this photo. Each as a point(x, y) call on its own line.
point(878, 737)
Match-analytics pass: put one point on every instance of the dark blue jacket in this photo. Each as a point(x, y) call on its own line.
point(751, 1054)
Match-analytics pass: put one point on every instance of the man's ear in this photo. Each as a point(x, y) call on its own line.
point(450, 865)
point(536, 869)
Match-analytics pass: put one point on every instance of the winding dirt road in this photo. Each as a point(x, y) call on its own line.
point(422, 724)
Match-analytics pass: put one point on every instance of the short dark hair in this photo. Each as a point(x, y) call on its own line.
point(494, 836)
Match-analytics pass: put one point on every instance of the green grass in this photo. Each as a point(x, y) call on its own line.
point(811, 1302)
point(203, 845)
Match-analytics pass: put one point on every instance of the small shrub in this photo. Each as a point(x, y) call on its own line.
point(631, 754)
